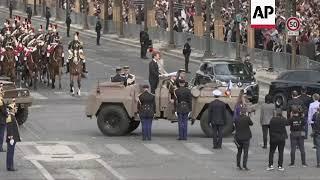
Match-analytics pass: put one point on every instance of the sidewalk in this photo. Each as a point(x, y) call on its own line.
point(262, 76)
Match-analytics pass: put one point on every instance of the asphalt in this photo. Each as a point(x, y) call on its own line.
point(59, 142)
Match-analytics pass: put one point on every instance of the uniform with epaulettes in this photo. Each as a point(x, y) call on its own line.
point(146, 109)
point(183, 108)
point(129, 78)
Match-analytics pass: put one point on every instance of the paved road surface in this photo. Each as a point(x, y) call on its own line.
point(59, 142)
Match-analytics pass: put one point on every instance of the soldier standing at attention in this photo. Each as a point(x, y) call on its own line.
point(129, 78)
point(147, 109)
point(186, 52)
point(13, 135)
point(3, 116)
point(68, 23)
point(98, 30)
point(184, 107)
point(118, 77)
point(144, 42)
point(217, 113)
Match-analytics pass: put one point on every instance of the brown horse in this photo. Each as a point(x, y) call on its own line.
point(56, 65)
point(75, 72)
point(8, 64)
point(31, 59)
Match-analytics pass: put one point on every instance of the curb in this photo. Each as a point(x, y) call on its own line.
point(118, 40)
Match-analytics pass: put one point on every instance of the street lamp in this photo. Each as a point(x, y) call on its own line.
point(35, 7)
point(145, 15)
point(67, 9)
point(121, 34)
point(236, 6)
point(85, 15)
point(208, 52)
point(57, 10)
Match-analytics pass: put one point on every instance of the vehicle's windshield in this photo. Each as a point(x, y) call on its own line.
point(231, 69)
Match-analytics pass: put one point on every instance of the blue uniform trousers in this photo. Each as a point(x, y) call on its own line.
point(2, 130)
point(183, 125)
point(146, 128)
point(10, 155)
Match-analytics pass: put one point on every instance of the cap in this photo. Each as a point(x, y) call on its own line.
point(216, 92)
point(126, 67)
point(118, 68)
point(145, 86)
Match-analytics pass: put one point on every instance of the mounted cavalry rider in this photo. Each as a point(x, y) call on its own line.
point(8, 42)
point(53, 40)
point(76, 46)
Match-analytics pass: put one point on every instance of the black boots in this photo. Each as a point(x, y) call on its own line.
point(67, 67)
point(84, 68)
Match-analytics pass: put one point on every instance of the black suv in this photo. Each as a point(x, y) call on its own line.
point(281, 88)
point(224, 70)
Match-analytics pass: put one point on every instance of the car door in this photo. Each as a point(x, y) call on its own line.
point(314, 82)
point(295, 80)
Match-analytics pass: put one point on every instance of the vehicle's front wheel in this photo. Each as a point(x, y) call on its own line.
point(280, 100)
point(207, 130)
point(113, 121)
point(22, 115)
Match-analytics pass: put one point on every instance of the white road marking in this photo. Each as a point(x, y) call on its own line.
point(37, 95)
point(98, 62)
point(43, 171)
point(158, 149)
point(110, 169)
point(55, 150)
point(118, 149)
point(197, 148)
point(36, 106)
point(309, 145)
point(82, 174)
point(232, 147)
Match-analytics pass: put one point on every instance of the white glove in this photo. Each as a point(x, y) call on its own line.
point(176, 114)
point(189, 114)
point(11, 142)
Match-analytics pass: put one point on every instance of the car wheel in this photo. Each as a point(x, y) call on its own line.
point(113, 121)
point(22, 115)
point(133, 126)
point(280, 100)
point(206, 128)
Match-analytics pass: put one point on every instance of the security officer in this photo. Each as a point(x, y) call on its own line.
point(184, 107)
point(98, 30)
point(217, 113)
point(129, 78)
point(295, 101)
point(146, 109)
point(13, 135)
point(306, 101)
point(68, 23)
point(186, 53)
point(118, 77)
point(3, 116)
point(144, 41)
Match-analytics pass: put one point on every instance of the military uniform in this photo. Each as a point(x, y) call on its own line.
point(183, 108)
point(146, 109)
point(13, 135)
point(129, 78)
point(76, 46)
point(118, 77)
point(3, 116)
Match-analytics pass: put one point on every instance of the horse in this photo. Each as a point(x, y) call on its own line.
point(31, 63)
point(75, 72)
point(8, 64)
point(56, 64)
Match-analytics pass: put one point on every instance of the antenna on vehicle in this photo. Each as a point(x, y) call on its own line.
point(98, 87)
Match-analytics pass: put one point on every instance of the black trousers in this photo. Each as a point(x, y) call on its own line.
point(297, 141)
point(153, 86)
point(144, 49)
point(186, 62)
point(265, 130)
point(217, 135)
point(10, 13)
point(47, 24)
point(243, 146)
point(68, 30)
point(273, 146)
point(98, 37)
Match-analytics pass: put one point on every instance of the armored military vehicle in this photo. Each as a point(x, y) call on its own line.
point(22, 96)
point(115, 106)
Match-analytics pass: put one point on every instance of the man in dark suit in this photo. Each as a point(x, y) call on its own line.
point(98, 30)
point(306, 101)
point(118, 77)
point(217, 113)
point(68, 23)
point(146, 109)
point(154, 71)
point(242, 138)
point(183, 108)
point(186, 53)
